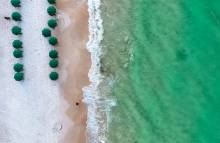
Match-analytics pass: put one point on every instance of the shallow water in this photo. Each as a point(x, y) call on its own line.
point(164, 59)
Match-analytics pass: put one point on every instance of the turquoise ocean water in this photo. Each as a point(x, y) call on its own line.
point(164, 59)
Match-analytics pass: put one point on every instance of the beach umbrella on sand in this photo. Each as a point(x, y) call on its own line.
point(53, 40)
point(16, 16)
point(51, 1)
point(18, 53)
point(17, 44)
point(53, 63)
point(16, 30)
point(51, 10)
point(53, 54)
point(18, 67)
point(52, 23)
point(46, 32)
point(16, 3)
point(54, 76)
point(19, 76)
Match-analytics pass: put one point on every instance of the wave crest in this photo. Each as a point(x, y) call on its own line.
point(98, 105)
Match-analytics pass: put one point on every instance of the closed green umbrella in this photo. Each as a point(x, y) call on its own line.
point(53, 63)
point(18, 67)
point(17, 44)
point(16, 16)
point(53, 54)
point(51, 10)
point(19, 76)
point(52, 23)
point(46, 32)
point(54, 76)
point(51, 1)
point(18, 53)
point(53, 40)
point(16, 30)
point(16, 3)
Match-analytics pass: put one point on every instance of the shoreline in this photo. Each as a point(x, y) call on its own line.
point(54, 115)
point(98, 106)
point(75, 63)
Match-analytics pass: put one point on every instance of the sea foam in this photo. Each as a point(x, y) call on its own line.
point(98, 105)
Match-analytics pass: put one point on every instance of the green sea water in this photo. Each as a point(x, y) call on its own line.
point(164, 58)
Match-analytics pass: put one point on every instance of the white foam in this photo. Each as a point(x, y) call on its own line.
point(98, 106)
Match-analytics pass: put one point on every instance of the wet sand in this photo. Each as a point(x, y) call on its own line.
point(75, 63)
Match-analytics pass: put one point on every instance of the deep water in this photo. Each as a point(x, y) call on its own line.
point(164, 57)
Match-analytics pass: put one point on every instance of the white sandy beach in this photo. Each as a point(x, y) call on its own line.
point(75, 64)
point(29, 109)
point(38, 110)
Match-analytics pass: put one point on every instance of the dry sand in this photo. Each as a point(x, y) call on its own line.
point(75, 63)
